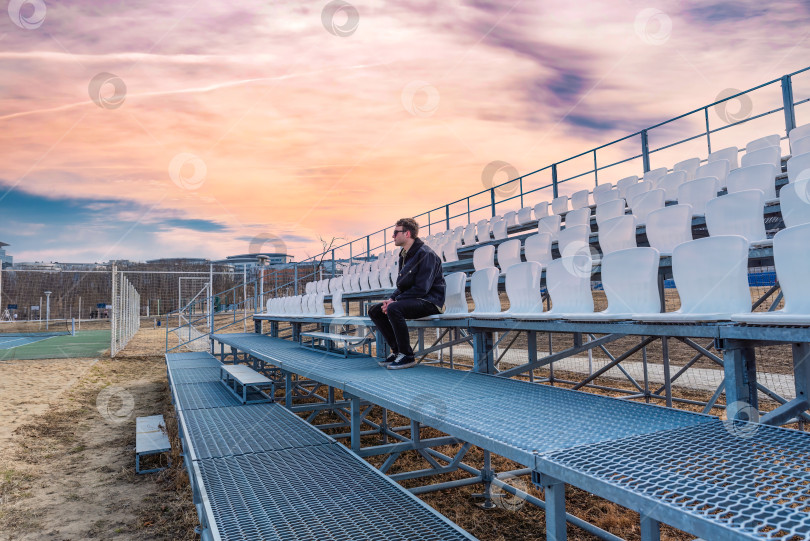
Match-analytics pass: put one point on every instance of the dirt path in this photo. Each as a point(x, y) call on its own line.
point(67, 467)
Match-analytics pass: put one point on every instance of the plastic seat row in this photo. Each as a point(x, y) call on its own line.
point(734, 214)
point(711, 276)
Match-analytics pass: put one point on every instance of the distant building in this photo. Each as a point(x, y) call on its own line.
point(177, 261)
point(5, 260)
point(29, 265)
point(250, 261)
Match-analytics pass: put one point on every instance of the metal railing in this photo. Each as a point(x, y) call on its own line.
point(490, 200)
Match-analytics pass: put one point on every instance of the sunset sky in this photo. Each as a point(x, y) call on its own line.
point(143, 129)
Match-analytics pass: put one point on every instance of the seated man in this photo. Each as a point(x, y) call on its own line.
point(419, 292)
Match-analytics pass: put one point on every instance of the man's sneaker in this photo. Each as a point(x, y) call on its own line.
point(390, 359)
point(402, 362)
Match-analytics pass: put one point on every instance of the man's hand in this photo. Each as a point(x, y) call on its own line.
point(385, 305)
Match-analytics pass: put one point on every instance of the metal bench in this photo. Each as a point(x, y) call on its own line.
point(239, 375)
point(241, 458)
point(722, 480)
point(151, 439)
point(327, 337)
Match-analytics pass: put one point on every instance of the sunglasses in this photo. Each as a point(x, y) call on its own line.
point(398, 231)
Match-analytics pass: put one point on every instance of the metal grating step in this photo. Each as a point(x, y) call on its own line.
point(741, 480)
point(200, 374)
point(170, 357)
point(211, 394)
point(321, 492)
point(199, 362)
point(255, 428)
point(509, 417)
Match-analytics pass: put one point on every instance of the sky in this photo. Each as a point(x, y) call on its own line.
point(142, 129)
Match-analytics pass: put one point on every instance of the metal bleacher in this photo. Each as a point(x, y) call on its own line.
point(260, 472)
point(712, 478)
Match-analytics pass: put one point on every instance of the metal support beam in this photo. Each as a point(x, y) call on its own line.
point(787, 103)
point(739, 366)
point(482, 352)
point(801, 376)
point(645, 151)
point(619, 359)
point(554, 490)
point(554, 190)
point(355, 423)
point(560, 355)
point(667, 378)
point(650, 529)
point(288, 389)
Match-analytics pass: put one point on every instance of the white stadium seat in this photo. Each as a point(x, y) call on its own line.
point(523, 290)
point(538, 248)
point(794, 200)
point(608, 211)
point(696, 193)
point(719, 169)
point(646, 203)
point(797, 165)
point(763, 142)
point(791, 259)
point(617, 234)
point(581, 216)
point(711, 275)
point(767, 155)
point(630, 281)
point(689, 166)
point(754, 177)
point(669, 227)
point(559, 205)
point(739, 213)
point(508, 254)
point(484, 257)
point(624, 184)
point(654, 175)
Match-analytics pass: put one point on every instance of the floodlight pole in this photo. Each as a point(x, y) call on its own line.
point(263, 259)
point(47, 308)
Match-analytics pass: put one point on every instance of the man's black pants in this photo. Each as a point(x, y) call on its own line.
point(393, 326)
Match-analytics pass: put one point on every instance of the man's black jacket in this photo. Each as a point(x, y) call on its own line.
point(420, 275)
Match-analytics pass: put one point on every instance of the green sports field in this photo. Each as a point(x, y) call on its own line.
point(83, 344)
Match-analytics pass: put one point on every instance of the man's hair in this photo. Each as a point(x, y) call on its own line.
point(409, 224)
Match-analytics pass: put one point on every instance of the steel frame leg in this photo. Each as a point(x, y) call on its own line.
point(556, 526)
point(482, 352)
point(288, 389)
point(740, 369)
point(650, 529)
point(355, 423)
point(801, 376)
